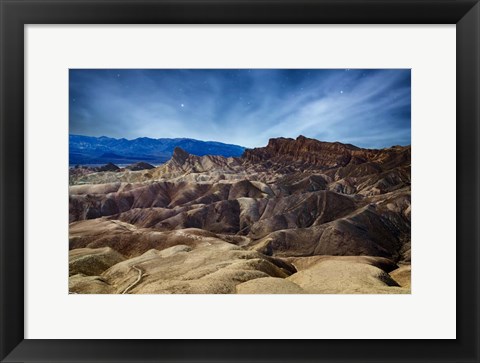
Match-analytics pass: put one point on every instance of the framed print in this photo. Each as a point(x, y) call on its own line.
point(246, 181)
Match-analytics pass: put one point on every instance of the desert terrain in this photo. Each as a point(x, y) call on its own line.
point(298, 216)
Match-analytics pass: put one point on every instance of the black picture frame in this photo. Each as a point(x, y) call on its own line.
point(17, 13)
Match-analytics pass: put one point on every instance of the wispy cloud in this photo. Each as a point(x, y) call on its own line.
point(369, 108)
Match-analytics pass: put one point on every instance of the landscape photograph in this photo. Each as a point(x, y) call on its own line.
point(239, 181)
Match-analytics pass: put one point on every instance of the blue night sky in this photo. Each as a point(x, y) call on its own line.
point(367, 108)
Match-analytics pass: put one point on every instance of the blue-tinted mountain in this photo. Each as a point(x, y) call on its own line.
point(101, 150)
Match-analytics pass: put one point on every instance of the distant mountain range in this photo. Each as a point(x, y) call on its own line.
point(101, 150)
